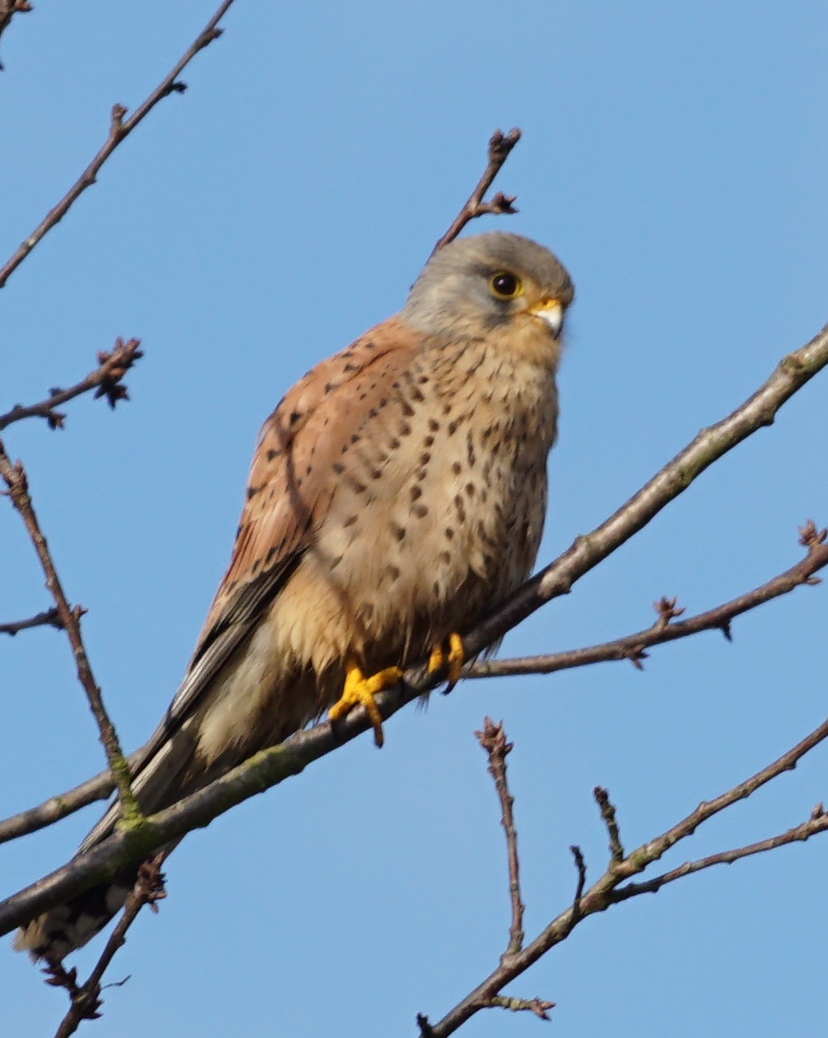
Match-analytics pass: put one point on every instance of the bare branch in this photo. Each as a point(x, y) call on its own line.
point(538, 1006)
point(15, 479)
point(817, 823)
point(61, 806)
point(50, 618)
point(499, 148)
point(631, 647)
point(580, 867)
point(493, 741)
point(119, 130)
point(133, 844)
point(607, 890)
point(86, 998)
point(608, 815)
point(106, 380)
point(707, 809)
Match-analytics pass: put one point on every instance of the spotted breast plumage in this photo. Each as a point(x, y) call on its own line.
point(397, 492)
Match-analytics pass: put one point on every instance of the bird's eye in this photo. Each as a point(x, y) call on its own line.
point(505, 285)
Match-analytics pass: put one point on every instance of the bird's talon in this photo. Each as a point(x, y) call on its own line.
point(360, 691)
point(437, 659)
point(453, 659)
point(456, 658)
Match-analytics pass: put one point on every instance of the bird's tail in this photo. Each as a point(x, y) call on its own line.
point(175, 763)
point(158, 781)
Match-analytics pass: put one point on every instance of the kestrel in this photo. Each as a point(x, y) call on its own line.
point(397, 492)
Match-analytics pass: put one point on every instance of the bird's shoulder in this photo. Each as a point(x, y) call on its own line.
point(292, 473)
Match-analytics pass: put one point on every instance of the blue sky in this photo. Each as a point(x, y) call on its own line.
point(675, 158)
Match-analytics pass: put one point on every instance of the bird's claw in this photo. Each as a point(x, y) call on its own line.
point(360, 690)
point(453, 659)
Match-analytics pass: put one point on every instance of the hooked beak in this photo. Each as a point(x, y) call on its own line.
point(551, 313)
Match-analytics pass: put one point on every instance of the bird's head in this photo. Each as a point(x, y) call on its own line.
point(489, 285)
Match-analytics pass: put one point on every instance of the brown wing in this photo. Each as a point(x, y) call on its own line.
point(292, 480)
point(290, 485)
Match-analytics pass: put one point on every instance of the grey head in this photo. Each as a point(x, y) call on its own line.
point(474, 285)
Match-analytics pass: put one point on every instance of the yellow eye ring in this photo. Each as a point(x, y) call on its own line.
point(505, 285)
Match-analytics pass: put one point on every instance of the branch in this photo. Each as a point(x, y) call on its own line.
point(61, 806)
point(817, 823)
point(608, 891)
point(8, 9)
point(132, 844)
point(119, 130)
point(15, 479)
point(610, 821)
point(580, 868)
point(499, 148)
point(86, 998)
point(49, 618)
point(538, 1006)
point(106, 380)
point(632, 646)
point(493, 741)
point(272, 766)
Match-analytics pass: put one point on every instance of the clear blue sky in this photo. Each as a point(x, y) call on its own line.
point(675, 157)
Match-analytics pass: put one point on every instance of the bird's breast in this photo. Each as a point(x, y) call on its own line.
point(437, 512)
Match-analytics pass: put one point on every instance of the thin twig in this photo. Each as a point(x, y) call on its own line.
point(50, 618)
point(817, 823)
point(580, 868)
point(493, 741)
point(106, 380)
point(632, 646)
point(608, 816)
point(499, 147)
point(424, 1025)
point(61, 806)
point(8, 9)
point(119, 129)
point(608, 889)
point(538, 1006)
point(86, 998)
point(707, 809)
point(15, 479)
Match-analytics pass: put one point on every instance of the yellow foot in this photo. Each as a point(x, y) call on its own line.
point(360, 691)
point(454, 659)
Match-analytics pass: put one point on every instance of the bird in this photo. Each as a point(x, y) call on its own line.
point(396, 494)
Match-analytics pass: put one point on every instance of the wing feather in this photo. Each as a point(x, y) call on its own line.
point(289, 488)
